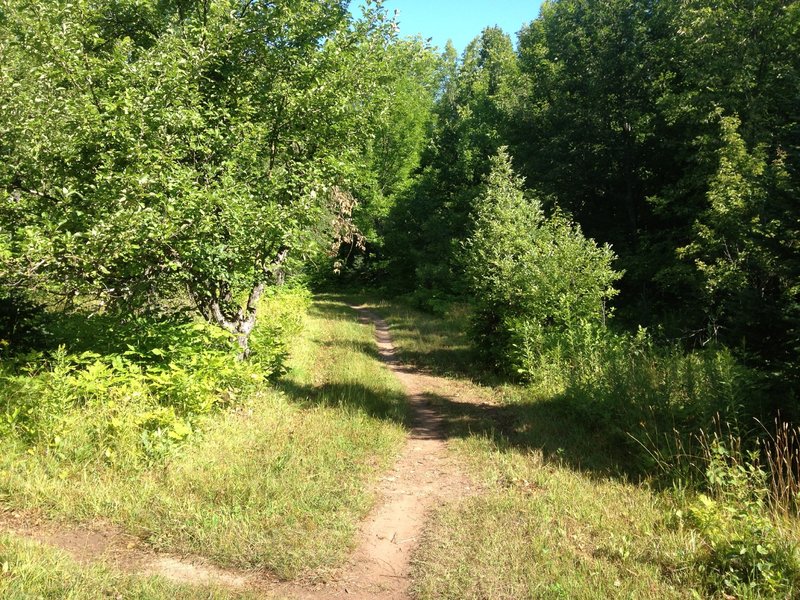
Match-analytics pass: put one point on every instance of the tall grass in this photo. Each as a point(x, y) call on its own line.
point(781, 451)
point(637, 389)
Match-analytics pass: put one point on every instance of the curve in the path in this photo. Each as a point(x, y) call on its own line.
point(423, 476)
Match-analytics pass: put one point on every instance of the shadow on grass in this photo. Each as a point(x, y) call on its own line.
point(448, 362)
point(553, 427)
point(379, 405)
point(561, 428)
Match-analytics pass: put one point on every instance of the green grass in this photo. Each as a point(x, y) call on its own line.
point(278, 482)
point(439, 344)
point(543, 530)
point(558, 517)
point(28, 571)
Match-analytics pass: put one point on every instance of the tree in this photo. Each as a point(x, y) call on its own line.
point(529, 275)
point(472, 117)
point(150, 145)
point(745, 250)
point(400, 115)
point(590, 131)
point(620, 125)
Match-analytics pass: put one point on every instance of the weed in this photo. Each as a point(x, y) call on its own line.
point(743, 551)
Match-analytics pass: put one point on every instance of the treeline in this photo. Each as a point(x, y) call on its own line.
point(617, 199)
point(190, 151)
point(178, 153)
point(668, 130)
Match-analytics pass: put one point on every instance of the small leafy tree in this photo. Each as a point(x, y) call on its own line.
point(743, 248)
point(149, 146)
point(530, 275)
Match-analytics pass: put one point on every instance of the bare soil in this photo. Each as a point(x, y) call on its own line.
point(423, 477)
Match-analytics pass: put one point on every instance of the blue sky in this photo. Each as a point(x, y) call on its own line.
point(458, 20)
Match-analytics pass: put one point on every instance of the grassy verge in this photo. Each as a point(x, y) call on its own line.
point(543, 530)
point(28, 570)
point(560, 518)
point(276, 481)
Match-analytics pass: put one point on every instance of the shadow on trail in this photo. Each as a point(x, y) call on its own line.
point(559, 429)
point(547, 427)
point(447, 362)
point(564, 430)
point(448, 350)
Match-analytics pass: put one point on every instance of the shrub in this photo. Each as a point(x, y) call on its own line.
point(132, 407)
point(531, 276)
point(648, 400)
point(742, 552)
point(280, 317)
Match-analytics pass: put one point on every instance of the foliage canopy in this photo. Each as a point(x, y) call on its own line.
point(153, 145)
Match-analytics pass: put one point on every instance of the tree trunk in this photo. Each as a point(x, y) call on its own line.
point(213, 304)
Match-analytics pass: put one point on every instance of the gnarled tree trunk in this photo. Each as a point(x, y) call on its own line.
point(215, 303)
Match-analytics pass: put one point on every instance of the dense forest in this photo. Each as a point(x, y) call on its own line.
point(606, 206)
point(665, 130)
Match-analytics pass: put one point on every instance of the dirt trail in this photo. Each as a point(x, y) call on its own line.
point(423, 477)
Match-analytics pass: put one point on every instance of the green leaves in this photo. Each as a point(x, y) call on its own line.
point(149, 146)
point(743, 552)
point(737, 248)
point(529, 274)
point(141, 388)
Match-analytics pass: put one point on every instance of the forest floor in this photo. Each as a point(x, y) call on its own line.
point(492, 494)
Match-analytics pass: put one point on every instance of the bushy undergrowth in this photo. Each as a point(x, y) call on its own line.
point(20, 321)
point(653, 403)
point(126, 392)
point(634, 385)
point(743, 551)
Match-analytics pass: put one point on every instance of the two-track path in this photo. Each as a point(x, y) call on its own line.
point(423, 476)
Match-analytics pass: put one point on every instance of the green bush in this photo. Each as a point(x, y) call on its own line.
point(540, 290)
point(21, 322)
point(742, 552)
point(281, 316)
point(648, 400)
point(132, 407)
point(531, 276)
